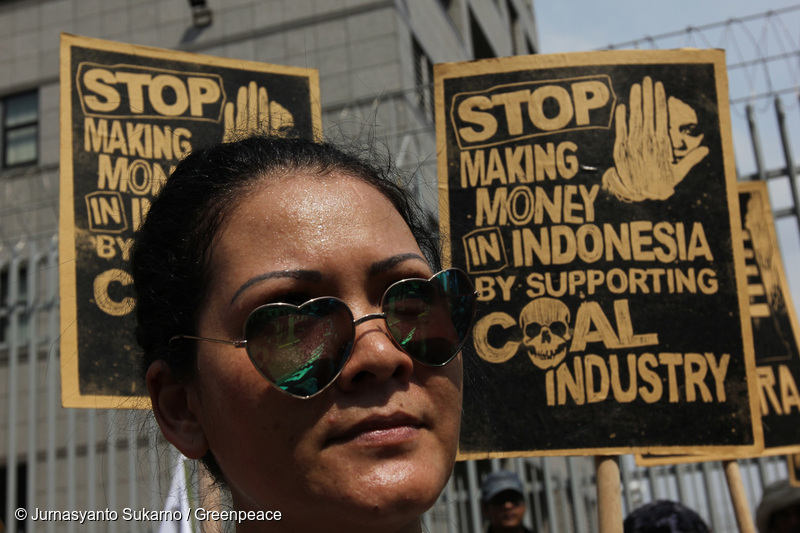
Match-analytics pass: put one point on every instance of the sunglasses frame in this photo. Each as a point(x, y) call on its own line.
point(354, 322)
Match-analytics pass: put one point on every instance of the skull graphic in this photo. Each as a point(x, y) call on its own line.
point(545, 327)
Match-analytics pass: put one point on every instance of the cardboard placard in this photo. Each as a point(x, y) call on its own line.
point(128, 114)
point(592, 198)
point(776, 332)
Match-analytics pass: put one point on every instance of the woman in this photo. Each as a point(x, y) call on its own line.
point(342, 409)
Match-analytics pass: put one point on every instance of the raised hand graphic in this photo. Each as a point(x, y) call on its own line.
point(254, 112)
point(651, 156)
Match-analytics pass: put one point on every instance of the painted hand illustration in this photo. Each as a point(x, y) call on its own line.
point(254, 112)
point(655, 147)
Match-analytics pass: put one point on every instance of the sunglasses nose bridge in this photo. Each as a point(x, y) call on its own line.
point(375, 356)
point(368, 317)
point(375, 316)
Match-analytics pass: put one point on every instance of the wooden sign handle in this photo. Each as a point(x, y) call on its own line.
point(740, 506)
point(609, 494)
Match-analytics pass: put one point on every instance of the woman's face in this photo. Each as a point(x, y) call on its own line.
point(375, 448)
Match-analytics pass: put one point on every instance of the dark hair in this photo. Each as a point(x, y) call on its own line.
point(171, 251)
point(664, 516)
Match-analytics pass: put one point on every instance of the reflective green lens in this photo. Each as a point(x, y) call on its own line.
point(300, 350)
point(430, 319)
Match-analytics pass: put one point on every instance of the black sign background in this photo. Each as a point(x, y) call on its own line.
point(507, 410)
point(99, 214)
point(775, 326)
point(775, 334)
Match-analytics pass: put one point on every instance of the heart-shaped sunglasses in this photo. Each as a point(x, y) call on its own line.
point(302, 350)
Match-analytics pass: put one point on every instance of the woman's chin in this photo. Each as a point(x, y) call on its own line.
point(391, 494)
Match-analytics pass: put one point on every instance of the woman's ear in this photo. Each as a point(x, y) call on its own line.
point(174, 408)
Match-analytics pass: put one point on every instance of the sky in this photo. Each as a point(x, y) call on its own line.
point(580, 25)
point(575, 25)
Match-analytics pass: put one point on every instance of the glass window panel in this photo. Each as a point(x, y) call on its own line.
point(21, 146)
point(21, 109)
point(22, 285)
point(4, 279)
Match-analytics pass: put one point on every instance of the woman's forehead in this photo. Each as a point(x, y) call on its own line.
point(291, 222)
point(323, 201)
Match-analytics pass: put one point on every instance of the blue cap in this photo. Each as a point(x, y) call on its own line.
point(500, 481)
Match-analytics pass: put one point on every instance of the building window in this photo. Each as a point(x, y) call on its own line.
point(19, 495)
point(518, 42)
point(4, 312)
point(480, 44)
point(453, 10)
point(20, 116)
point(447, 5)
point(423, 81)
point(9, 305)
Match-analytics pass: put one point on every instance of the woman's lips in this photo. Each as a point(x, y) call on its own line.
point(380, 430)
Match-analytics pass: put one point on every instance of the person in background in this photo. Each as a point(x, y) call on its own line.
point(664, 516)
point(503, 502)
point(779, 510)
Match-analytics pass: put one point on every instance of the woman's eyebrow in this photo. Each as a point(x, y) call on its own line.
point(384, 265)
point(305, 275)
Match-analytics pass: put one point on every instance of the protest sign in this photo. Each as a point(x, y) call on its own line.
point(776, 333)
point(592, 198)
point(128, 115)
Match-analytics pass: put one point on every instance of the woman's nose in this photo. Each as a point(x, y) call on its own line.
point(375, 358)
